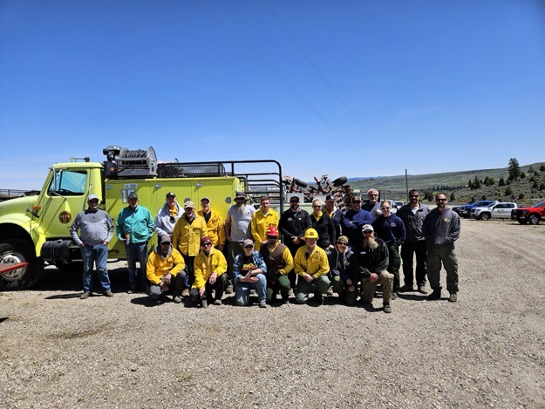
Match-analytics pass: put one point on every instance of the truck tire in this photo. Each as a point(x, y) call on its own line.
point(485, 216)
point(533, 219)
point(19, 251)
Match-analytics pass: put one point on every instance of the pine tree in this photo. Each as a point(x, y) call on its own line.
point(513, 169)
point(501, 182)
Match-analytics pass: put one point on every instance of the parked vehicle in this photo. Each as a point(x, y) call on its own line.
point(35, 229)
point(532, 215)
point(459, 209)
point(501, 210)
point(399, 204)
point(466, 212)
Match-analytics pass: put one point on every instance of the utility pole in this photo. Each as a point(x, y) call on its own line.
point(406, 187)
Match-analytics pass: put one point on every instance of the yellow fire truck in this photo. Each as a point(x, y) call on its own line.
point(35, 229)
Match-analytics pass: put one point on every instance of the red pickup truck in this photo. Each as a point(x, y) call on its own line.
point(532, 215)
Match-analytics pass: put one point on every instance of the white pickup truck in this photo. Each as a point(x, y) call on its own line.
point(501, 210)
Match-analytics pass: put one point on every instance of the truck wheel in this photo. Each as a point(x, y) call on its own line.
point(485, 216)
point(19, 251)
point(533, 219)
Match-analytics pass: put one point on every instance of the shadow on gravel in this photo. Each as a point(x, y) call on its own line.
point(412, 297)
point(53, 279)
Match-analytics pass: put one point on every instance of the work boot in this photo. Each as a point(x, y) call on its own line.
point(387, 308)
point(422, 289)
point(435, 295)
point(185, 292)
point(262, 304)
point(217, 302)
point(108, 293)
point(177, 299)
point(204, 303)
point(394, 295)
point(453, 297)
point(406, 288)
point(318, 298)
point(85, 295)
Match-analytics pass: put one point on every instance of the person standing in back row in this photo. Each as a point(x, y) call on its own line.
point(413, 215)
point(135, 227)
point(441, 229)
point(186, 238)
point(391, 230)
point(167, 217)
point(96, 229)
point(237, 229)
point(262, 219)
point(293, 224)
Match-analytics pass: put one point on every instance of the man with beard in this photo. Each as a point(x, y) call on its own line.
point(215, 226)
point(311, 266)
point(441, 229)
point(373, 261)
point(372, 205)
point(279, 263)
point(186, 238)
point(391, 230)
point(96, 229)
point(167, 217)
point(353, 220)
point(413, 215)
point(293, 223)
point(237, 229)
point(262, 219)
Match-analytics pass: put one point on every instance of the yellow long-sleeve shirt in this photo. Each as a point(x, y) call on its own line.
point(316, 264)
point(205, 266)
point(186, 238)
point(215, 228)
point(157, 265)
point(260, 223)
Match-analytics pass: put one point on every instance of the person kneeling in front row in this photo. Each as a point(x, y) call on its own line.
point(311, 266)
point(165, 269)
point(249, 269)
point(373, 260)
point(210, 266)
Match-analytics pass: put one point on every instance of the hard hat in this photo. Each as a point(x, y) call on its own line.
point(311, 234)
point(272, 231)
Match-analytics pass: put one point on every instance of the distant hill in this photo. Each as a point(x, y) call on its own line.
point(395, 187)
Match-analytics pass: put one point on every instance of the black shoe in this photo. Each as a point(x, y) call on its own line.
point(318, 298)
point(406, 288)
point(435, 295)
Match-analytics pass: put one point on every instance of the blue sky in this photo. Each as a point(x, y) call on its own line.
point(345, 88)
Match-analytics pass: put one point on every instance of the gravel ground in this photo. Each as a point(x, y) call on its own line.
point(487, 350)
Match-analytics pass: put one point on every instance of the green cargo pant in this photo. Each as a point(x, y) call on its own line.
point(394, 263)
point(348, 294)
point(447, 256)
point(304, 288)
point(385, 279)
point(282, 284)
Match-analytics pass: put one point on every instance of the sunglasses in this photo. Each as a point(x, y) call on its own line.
point(272, 237)
point(440, 200)
point(316, 207)
point(367, 232)
point(206, 244)
point(413, 196)
point(248, 246)
point(385, 208)
point(341, 243)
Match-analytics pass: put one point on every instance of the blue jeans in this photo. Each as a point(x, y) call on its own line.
point(137, 252)
point(242, 290)
point(97, 254)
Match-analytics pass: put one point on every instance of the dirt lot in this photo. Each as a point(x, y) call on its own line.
point(487, 350)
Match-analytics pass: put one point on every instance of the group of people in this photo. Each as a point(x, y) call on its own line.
point(200, 255)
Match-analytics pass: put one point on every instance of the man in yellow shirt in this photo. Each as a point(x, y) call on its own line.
point(312, 266)
point(215, 225)
point(262, 219)
point(186, 238)
point(210, 266)
point(165, 269)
